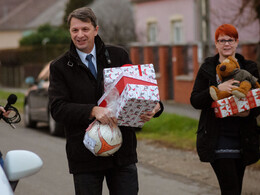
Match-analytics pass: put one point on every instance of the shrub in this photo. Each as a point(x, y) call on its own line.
point(46, 34)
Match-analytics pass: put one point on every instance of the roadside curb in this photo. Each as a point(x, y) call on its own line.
point(181, 109)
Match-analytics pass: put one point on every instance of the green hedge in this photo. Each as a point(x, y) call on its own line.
point(46, 35)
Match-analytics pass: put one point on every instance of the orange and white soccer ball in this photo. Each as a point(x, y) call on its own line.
point(102, 140)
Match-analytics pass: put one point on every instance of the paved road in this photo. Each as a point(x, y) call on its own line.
point(55, 179)
point(181, 109)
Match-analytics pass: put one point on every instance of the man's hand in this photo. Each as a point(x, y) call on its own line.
point(228, 85)
point(104, 116)
point(149, 115)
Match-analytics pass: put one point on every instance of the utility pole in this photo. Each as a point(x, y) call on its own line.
point(204, 27)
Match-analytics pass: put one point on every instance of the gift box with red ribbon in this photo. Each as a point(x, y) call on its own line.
point(111, 74)
point(134, 101)
point(233, 105)
point(136, 95)
point(120, 83)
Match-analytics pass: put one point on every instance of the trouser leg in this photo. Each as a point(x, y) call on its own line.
point(123, 180)
point(230, 173)
point(240, 171)
point(88, 183)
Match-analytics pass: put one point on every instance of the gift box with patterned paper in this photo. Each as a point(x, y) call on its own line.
point(134, 101)
point(136, 95)
point(111, 74)
point(232, 105)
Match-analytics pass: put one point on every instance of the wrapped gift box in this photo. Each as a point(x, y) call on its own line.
point(111, 74)
point(134, 101)
point(232, 105)
point(122, 80)
point(136, 95)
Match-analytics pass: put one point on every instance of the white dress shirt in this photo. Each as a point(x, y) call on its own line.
point(83, 56)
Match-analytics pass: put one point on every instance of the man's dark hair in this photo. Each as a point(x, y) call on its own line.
point(84, 14)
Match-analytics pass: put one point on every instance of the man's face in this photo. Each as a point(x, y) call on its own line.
point(226, 45)
point(83, 34)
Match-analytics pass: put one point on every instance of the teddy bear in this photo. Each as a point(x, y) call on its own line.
point(230, 69)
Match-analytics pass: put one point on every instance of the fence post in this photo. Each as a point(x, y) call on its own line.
point(135, 54)
point(249, 51)
point(182, 82)
point(195, 60)
point(148, 55)
point(163, 72)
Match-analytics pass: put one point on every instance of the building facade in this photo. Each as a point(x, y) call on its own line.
point(191, 21)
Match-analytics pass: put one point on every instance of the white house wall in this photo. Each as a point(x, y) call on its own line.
point(9, 39)
point(220, 12)
point(163, 11)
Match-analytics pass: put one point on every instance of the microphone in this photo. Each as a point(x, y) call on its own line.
point(10, 100)
point(16, 117)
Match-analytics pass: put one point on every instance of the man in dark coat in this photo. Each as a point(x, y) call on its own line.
point(75, 87)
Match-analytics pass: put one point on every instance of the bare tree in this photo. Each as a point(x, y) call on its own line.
point(115, 19)
point(241, 13)
point(254, 5)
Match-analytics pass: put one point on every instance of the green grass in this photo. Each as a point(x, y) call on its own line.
point(172, 130)
point(20, 99)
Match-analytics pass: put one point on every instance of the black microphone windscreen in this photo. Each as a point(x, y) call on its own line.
point(11, 99)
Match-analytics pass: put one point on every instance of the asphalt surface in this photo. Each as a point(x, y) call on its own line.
point(54, 179)
point(181, 109)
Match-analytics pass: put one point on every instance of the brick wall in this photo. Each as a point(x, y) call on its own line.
point(175, 76)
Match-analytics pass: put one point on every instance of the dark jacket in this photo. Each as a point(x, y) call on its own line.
point(209, 126)
point(73, 92)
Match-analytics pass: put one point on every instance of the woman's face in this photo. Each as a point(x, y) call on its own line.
point(226, 46)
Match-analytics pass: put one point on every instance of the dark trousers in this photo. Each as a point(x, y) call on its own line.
point(230, 173)
point(120, 181)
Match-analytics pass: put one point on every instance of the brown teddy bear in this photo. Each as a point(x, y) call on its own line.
point(230, 69)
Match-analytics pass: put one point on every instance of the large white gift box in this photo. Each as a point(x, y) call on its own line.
point(134, 101)
point(136, 95)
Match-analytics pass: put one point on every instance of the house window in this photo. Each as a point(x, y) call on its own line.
point(176, 31)
point(151, 32)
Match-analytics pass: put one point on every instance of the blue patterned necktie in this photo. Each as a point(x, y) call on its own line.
point(91, 65)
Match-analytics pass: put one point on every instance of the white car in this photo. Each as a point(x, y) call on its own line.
point(17, 164)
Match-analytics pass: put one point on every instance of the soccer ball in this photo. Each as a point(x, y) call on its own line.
point(102, 140)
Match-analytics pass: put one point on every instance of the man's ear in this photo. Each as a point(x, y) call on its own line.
point(96, 29)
